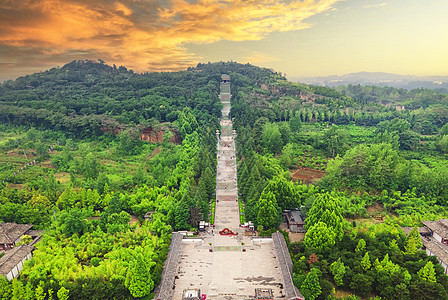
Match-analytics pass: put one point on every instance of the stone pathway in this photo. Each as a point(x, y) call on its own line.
point(217, 264)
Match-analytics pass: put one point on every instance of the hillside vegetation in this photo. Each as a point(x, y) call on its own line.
point(77, 160)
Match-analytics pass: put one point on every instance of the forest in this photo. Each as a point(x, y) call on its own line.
point(88, 149)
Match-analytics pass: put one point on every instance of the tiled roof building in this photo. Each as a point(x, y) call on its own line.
point(434, 238)
point(12, 262)
point(10, 234)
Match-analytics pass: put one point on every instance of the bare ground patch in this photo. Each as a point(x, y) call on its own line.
point(307, 175)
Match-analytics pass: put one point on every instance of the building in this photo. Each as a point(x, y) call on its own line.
point(434, 238)
point(439, 230)
point(295, 221)
point(225, 78)
point(11, 233)
point(12, 262)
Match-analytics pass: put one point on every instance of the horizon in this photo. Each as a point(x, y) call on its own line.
point(314, 38)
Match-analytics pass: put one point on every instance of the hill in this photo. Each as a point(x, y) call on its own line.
point(439, 83)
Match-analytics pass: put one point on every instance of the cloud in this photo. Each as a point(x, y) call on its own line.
point(141, 34)
point(375, 5)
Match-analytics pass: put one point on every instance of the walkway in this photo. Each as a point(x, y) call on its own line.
point(216, 264)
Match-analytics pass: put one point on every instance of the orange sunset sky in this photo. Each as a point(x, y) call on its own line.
point(299, 38)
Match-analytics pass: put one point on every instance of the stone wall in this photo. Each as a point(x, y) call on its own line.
point(164, 291)
point(286, 266)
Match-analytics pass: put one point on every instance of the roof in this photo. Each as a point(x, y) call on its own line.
point(438, 249)
point(294, 217)
point(440, 227)
point(10, 232)
point(13, 257)
point(34, 233)
point(225, 77)
point(421, 230)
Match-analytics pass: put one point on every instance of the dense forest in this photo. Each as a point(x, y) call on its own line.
point(88, 149)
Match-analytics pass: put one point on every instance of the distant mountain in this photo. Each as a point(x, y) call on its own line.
point(439, 83)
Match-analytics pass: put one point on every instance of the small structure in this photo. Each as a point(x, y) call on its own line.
point(11, 233)
point(295, 221)
point(203, 225)
point(148, 216)
point(249, 226)
point(225, 78)
point(12, 262)
point(264, 294)
point(191, 294)
point(434, 237)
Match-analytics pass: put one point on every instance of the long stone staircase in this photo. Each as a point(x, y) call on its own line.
point(227, 266)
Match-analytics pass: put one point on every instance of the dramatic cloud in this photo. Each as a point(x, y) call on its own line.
point(141, 34)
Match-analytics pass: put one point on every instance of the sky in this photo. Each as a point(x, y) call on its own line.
point(298, 38)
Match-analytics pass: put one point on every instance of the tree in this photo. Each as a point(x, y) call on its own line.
point(335, 141)
point(362, 284)
point(365, 262)
point(284, 192)
point(73, 222)
point(326, 209)
point(138, 278)
point(63, 293)
point(442, 144)
point(311, 286)
point(18, 291)
point(361, 246)
point(91, 166)
point(413, 242)
point(320, 238)
point(5, 288)
point(337, 268)
point(40, 293)
point(428, 273)
point(268, 211)
point(271, 138)
point(295, 124)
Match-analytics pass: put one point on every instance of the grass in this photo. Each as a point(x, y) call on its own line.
point(212, 216)
point(242, 217)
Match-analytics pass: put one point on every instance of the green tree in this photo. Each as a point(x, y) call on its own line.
point(413, 242)
point(428, 273)
point(361, 246)
point(40, 292)
point(138, 278)
point(365, 262)
point(326, 209)
point(271, 138)
point(18, 291)
point(73, 222)
point(442, 144)
point(320, 237)
point(311, 285)
point(268, 211)
point(335, 141)
point(5, 288)
point(337, 268)
point(63, 293)
point(295, 123)
point(91, 166)
point(284, 192)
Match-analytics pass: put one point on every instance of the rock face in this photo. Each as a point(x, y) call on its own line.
point(153, 135)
